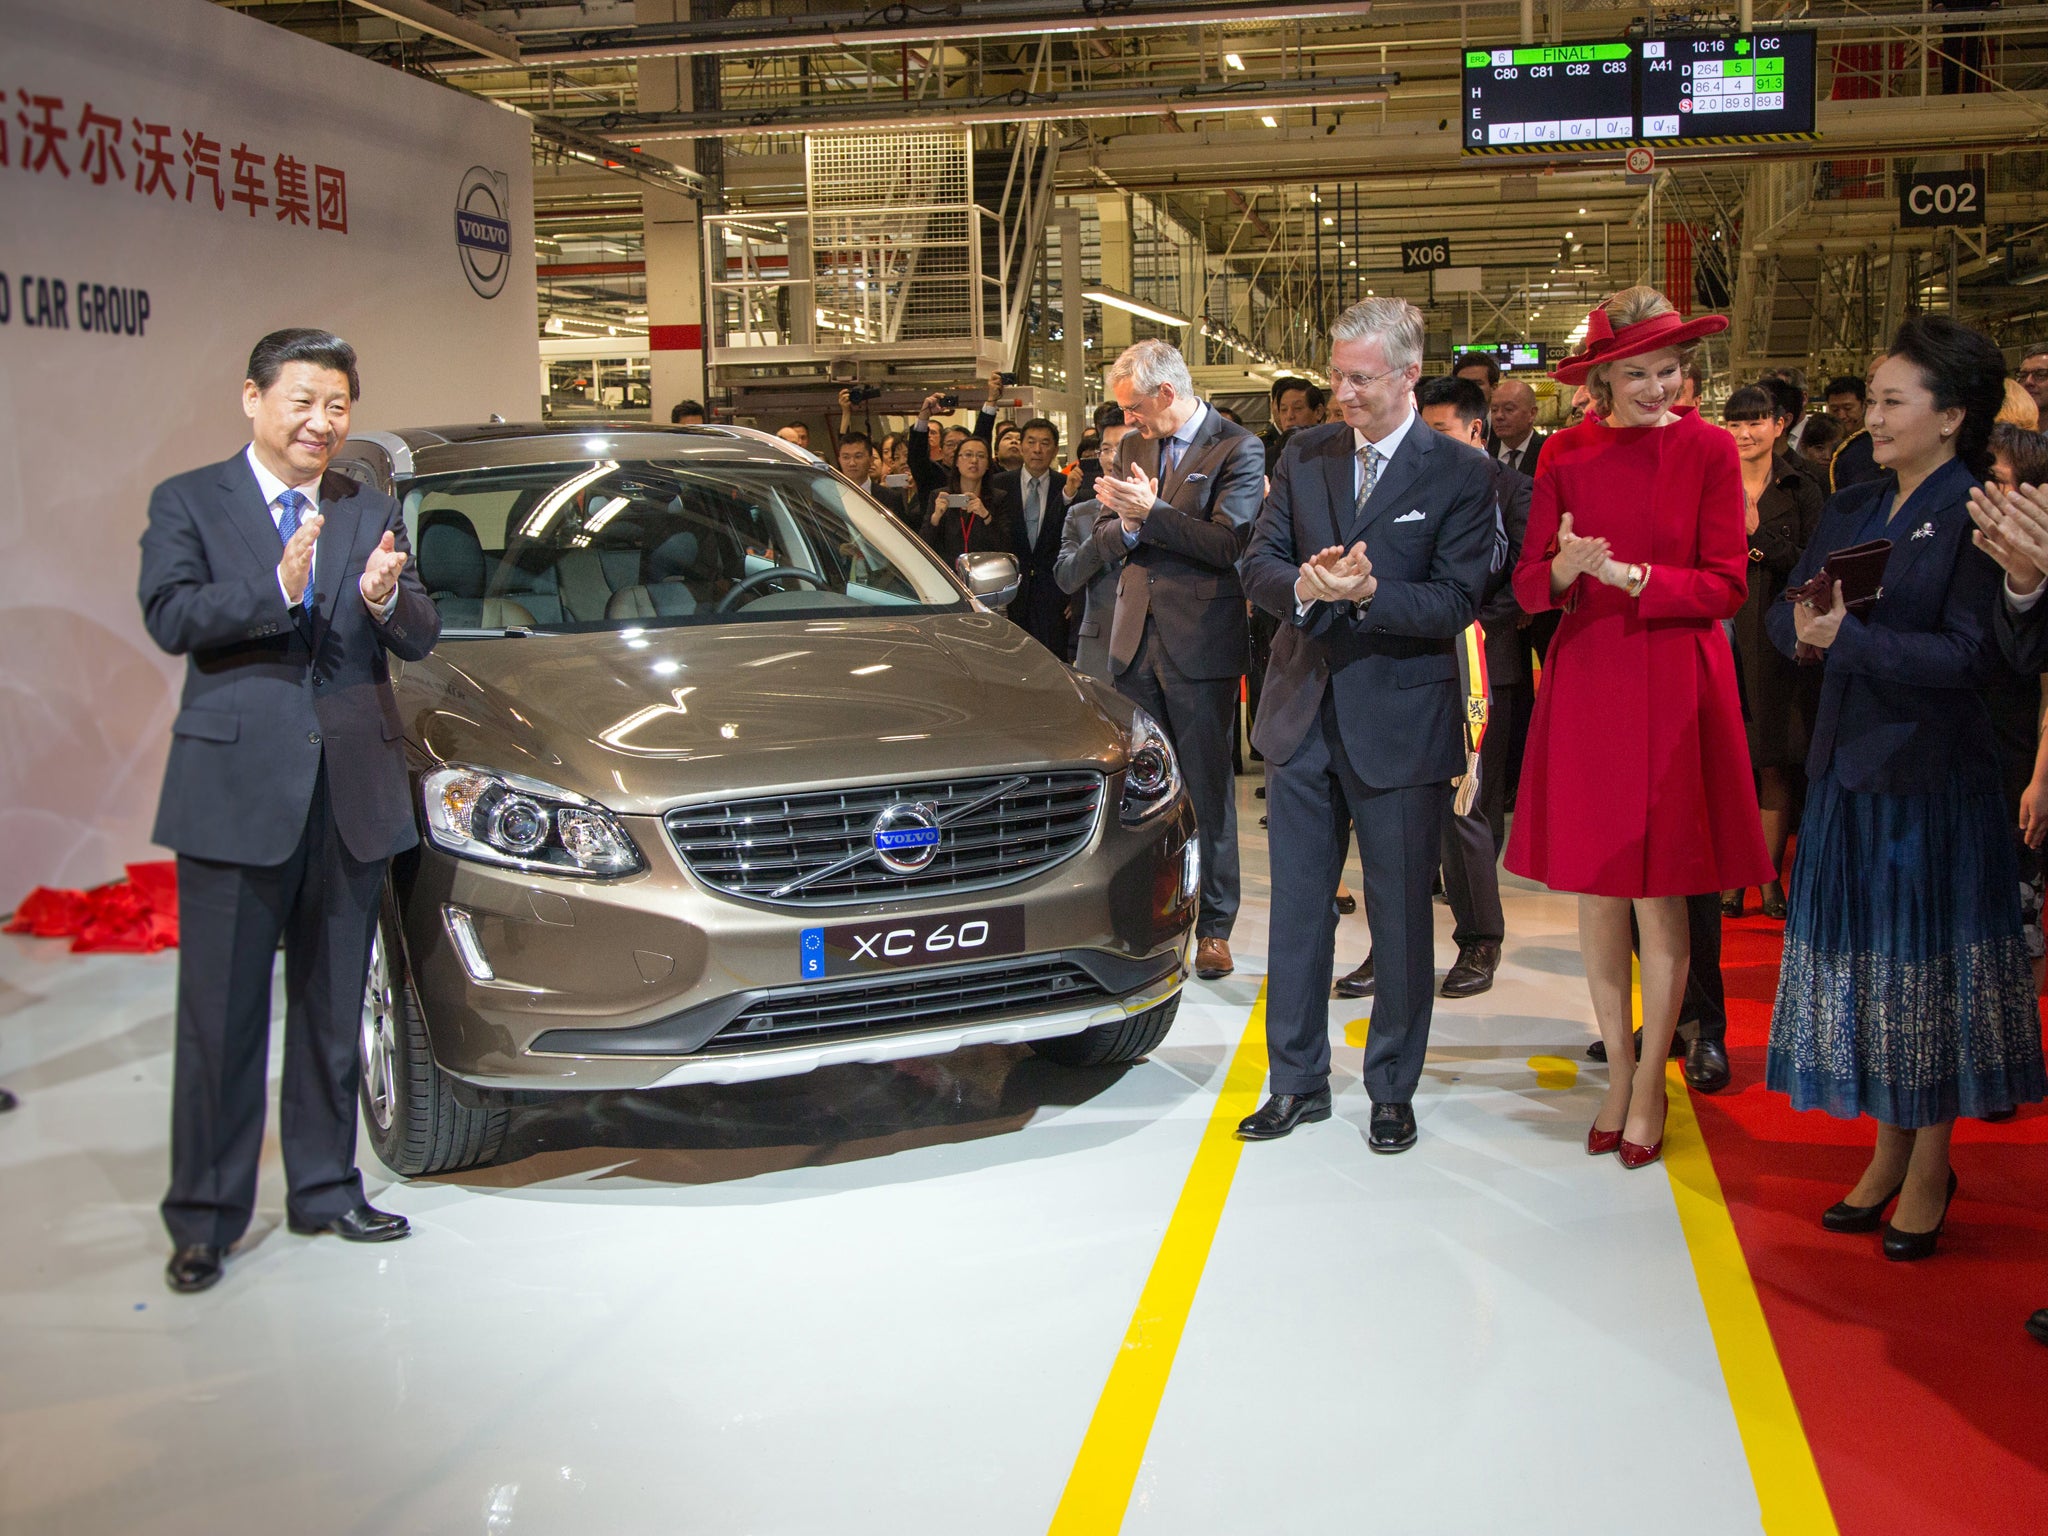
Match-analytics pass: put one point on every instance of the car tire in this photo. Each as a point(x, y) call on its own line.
point(416, 1123)
point(1112, 1045)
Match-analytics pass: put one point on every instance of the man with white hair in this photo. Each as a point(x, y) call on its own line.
point(1374, 551)
point(1183, 488)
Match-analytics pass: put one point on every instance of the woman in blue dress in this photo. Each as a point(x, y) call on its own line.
point(1906, 992)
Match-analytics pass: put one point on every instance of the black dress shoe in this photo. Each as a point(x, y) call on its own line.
point(1358, 983)
point(1393, 1128)
point(364, 1224)
point(1731, 902)
point(1473, 972)
point(1597, 1051)
point(194, 1268)
point(1347, 904)
point(1844, 1217)
point(1996, 1117)
point(1706, 1066)
point(1774, 902)
point(1907, 1247)
point(7, 1101)
point(1282, 1113)
point(1259, 793)
point(2037, 1325)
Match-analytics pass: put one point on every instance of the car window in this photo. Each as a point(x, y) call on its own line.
point(608, 543)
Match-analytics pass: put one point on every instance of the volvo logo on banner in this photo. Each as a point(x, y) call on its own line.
point(907, 836)
point(483, 229)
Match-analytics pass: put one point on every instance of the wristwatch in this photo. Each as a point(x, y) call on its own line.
point(1638, 578)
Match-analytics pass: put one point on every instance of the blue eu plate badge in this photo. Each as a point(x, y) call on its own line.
point(813, 953)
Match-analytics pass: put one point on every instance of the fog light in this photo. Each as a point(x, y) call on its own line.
point(463, 933)
point(1190, 870)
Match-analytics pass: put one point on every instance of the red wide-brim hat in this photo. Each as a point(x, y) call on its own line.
point(1604, 344)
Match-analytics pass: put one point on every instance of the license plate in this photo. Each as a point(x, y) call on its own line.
point(890, 944)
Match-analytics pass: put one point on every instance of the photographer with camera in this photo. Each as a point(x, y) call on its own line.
point(958, 508)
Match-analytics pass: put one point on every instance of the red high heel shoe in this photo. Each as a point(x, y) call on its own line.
point(1599, 1143)
point(1633, 1156)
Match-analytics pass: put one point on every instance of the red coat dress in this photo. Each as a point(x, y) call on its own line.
point(1636, 779)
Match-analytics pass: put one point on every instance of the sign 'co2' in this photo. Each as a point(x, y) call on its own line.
point(1941, 199)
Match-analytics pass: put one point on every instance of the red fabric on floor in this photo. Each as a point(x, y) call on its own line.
point(1924, 1400)
point(138, 915)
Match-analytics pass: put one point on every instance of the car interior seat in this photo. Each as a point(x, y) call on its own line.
point(666, 592)
point(452, 571)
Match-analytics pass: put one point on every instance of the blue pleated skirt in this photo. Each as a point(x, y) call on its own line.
point(1906, 993)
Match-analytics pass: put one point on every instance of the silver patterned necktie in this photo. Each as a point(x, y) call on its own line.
point(290, 507)
point(1371, 477)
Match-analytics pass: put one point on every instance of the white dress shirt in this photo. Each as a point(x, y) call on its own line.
point(1183, 440)
point(1385, 447)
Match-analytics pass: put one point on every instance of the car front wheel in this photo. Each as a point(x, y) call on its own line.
point(416, 1123)
point(1110, 1045)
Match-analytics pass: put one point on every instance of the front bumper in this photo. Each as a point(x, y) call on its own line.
point(655, 981)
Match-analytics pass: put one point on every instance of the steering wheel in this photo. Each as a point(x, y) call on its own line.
point(762, 578)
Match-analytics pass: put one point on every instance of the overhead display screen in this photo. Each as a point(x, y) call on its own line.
point(1512, 356)
point(1694, 88)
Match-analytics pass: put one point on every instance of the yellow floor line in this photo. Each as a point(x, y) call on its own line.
point(1098, 1490)
point(1788, 1486)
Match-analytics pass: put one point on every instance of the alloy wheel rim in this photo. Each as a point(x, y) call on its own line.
point(379, 1038)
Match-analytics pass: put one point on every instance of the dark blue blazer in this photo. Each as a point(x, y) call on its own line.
point(1431, 531)
point(269, 692)
point(1900, 712)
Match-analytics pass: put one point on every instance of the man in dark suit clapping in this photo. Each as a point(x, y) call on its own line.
point(1374, 550)
point(1184, 489)
point(1036, 493)
point(286, 588)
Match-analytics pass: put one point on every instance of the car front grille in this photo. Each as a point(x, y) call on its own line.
point(752, 848)
point(883, 1004)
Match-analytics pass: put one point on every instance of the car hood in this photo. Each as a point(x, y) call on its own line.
point(640, 719)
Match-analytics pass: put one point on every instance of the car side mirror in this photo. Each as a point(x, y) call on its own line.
point(990, 575)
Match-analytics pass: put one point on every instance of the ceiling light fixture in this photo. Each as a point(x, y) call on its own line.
point(1267, 119)
point(1138, 307)
point(1233, 61)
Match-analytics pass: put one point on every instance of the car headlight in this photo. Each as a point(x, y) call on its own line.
point(1152, 775)
point(502, 818)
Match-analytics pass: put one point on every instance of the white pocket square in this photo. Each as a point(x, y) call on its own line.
point(1410, 517)
point(1197, 475)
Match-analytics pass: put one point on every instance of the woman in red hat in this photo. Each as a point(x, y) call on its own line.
point(1636, 789)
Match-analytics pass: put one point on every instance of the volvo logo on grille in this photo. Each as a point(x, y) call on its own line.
point(907, 836)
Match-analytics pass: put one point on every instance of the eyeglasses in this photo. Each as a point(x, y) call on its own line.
point(2033, 375)
point(1358, 381)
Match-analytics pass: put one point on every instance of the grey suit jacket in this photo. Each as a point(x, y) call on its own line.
point(1085, 566)
point(1183, 571)
point(270, 692)
point(1430, 531)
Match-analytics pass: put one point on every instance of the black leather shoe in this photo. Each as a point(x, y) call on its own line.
point(1706, 1066)
point(1358, 983)
point(1282, 1113)
point(1996, 1117)
point(1774, 902)
point(1844, 1217)
point(1907, 1247)
point(364, 1224)
point(7, 1101)
point(1393, 1128)
point(1347, 904)
point(194, 1268)
point(2037, 1325)
point(1259, 793)
point(1597, 1051)
point(1473, 972)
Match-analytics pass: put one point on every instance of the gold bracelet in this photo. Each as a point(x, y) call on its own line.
point(1638, 578)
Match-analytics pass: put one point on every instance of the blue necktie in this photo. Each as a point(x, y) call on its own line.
point(291, 508)
point(1169, 455)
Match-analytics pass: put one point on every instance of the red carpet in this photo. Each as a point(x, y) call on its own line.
point(1924, 1399)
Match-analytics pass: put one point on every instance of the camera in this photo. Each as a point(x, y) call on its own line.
point(956, 501)
point(1007, 380)
point(949, 402)
point(860, 392)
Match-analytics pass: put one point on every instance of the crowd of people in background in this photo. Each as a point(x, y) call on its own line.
point(1873, 769)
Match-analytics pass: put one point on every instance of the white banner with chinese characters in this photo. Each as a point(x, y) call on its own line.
point(176, 180)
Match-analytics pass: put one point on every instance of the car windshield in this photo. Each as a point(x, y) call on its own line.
point(608, 543)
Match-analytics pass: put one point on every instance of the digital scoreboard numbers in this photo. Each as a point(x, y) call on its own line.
point(1727, 88)
point(1687, 89)
point(1565, 98)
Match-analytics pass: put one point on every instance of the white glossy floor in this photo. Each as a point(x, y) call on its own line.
point(870, 1300)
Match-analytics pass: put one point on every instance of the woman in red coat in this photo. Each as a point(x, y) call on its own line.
point(1636, 789)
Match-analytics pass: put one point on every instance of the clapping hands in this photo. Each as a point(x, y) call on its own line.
point(1336, 575)
point(2012, 528)
point(1129, 496)
point(295, 566)
point(380, 572)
